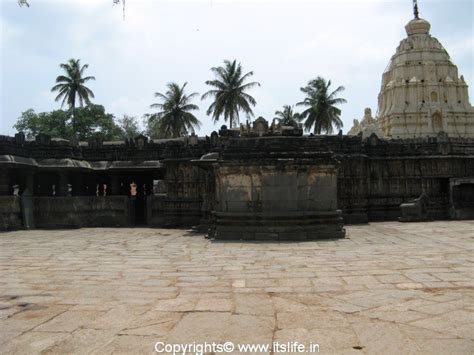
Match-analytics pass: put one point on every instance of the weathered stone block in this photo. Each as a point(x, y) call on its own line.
point(10, 213)
point(81, 211)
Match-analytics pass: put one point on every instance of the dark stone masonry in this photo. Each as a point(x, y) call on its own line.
point(257, 184)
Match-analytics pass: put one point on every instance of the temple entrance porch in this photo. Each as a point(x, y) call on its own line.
point(74, 198)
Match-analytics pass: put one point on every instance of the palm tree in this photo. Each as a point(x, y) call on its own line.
point(174, 119)
point(322, 112)
point(72, 85)
point(287, 117)
point(229, 93)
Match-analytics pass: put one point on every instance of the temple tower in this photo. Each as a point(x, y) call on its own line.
point(422, 93)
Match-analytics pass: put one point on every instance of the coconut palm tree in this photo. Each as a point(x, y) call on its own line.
point(71, 85)
point(321, 113)
point(229, 93)
point(174, 118)
point(287, 117)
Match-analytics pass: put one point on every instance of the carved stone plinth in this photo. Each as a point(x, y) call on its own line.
point(276, 199)
point(297, 226)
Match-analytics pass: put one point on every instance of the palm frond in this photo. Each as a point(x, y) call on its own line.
point(229, 92)
point(174, 118)
point(321, 114)
point(71, 84)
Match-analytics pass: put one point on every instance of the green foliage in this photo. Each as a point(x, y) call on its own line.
point(129, 126)
point(229, 93)
point(174, 118)
point(52, 123)
point(287, 117)
point(321, 112)
point(82, 122)
point(152, 129)
point(72, 85)
point(92, 120)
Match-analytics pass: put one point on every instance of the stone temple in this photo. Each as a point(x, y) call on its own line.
point(422, 93)
point(413, 161)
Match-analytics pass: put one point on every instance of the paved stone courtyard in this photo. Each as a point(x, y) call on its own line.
point(387, 288)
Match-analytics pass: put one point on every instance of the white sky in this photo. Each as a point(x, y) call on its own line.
point(286, 43)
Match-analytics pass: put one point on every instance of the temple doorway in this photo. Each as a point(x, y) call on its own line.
point(462, 198)
point(140, 187)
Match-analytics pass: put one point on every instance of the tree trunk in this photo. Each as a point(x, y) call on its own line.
point(73, 101)
point(73, 120)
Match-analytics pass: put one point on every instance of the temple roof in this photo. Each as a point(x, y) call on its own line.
point(417, 26)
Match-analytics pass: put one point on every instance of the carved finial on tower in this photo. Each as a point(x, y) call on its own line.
point(415, 9)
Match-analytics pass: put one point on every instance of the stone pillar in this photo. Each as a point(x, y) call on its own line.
point(114, 186)
point(63, 189)
point(30, 181)
point(5, 188)
point(27, 201)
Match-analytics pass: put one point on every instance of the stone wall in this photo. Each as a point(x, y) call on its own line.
point(10, 213)
point(372, 188)
point(155, 211)
point(374, 175)
point(461, 198)
point(182, 204)
point(81, 211)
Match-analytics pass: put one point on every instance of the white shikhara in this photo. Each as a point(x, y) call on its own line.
point(422, 93)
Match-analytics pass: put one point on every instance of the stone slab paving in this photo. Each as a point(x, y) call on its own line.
point(389, 288)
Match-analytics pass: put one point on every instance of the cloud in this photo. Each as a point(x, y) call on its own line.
point(9, 31)
point(460, 48)
point(284, 42)
point(133, 106)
